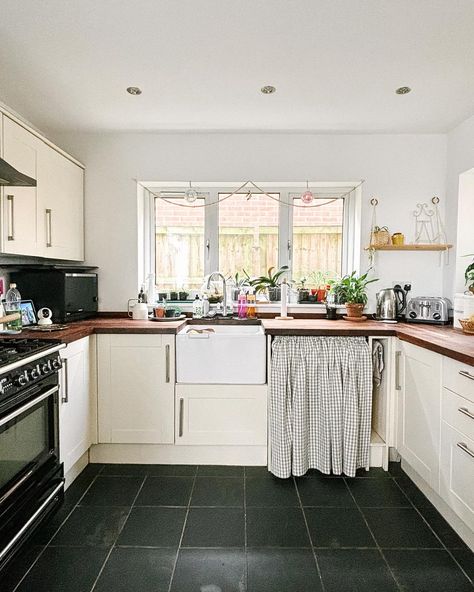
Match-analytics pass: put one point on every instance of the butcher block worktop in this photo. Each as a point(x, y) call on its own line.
point(444, 340)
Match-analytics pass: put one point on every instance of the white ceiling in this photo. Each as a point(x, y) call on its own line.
point(65, 64)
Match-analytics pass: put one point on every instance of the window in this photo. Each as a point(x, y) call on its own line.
point(251, 232)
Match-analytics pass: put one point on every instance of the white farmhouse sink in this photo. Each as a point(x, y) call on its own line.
point(221, 354)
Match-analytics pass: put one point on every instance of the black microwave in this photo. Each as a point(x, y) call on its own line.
point(70, 292)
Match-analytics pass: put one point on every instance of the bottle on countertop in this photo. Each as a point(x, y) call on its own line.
point(251, 305)
point(12, 306)
point(242, 305)
point(205, 305)
point(141, 294)
point(197, 308)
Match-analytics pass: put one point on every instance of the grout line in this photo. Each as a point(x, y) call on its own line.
point(182, 531)
point(118, 534)
point(318, 568)
point(379, 548)
point(447, 549)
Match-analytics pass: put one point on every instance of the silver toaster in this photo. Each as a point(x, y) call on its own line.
point(429, 309)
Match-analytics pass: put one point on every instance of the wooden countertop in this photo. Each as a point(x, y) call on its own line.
point(444, 340)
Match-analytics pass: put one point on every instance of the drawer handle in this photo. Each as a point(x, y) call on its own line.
point(466, 411)
point(181, 417)
point(11, 218)
point(167, 355)
point(465, 448)
point(466, 374)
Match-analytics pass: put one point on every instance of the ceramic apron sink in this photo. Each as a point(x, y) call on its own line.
point(221, 354)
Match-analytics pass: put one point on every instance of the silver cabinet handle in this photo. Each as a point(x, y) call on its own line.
point(398, 355)
point(466, 374)
point(49, 224)
point(11, 217)
point(208, 248)
point(181, 417)
point(465, 448)
point(167, 354)
point(65, 393)
point(466, 411)
point(288, 246)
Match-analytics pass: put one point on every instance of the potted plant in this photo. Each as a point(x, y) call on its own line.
point(320, 281)
point(303, 292)
point(469, 275)
point(239, 282)
point(270, 283)
point(352, 290)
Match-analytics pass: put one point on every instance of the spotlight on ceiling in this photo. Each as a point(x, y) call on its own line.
point(268, 90)
point(134, 90)
point(403, 90)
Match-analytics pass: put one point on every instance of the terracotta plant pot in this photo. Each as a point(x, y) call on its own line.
point(354, 309)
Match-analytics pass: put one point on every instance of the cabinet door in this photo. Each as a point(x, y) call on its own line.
point(136, 388)
point(221, 414)
point(20, 231)
point(75, 408)
point(419, 411)
point(61, 196)
point(457, 472)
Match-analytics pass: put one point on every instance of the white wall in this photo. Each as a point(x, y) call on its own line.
point(401, 170)
point(460, 146)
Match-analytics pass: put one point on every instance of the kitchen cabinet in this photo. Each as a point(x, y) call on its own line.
point(419, 402)
point(21, 234)
point(75, 410)
point(46, 220)
point(221, 414)
point(136, 379)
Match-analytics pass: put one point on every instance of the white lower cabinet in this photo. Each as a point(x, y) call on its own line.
point(212, 414)
point(75, 410)
point(136, 388)
point(419, 404)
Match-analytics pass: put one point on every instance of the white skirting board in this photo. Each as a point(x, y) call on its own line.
point(454, 521)
point(76, 469)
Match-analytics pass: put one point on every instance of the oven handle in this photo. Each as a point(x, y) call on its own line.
point(31, 519)
point(16, 486)
point(29, 405)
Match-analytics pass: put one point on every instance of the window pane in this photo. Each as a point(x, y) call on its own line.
point(317, 238)
point(248, 233)
point(179, 261)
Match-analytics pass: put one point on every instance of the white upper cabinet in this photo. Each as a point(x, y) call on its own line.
point(47, 220)
point(20, 231)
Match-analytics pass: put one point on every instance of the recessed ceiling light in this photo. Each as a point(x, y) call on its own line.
point(134, 90)
point(268, 90)
point(403, 90)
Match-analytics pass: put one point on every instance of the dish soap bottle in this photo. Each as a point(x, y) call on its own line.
point(242, 305)
point(251, 308)
point(197, 308)
point(12, 306)
point(205, 305)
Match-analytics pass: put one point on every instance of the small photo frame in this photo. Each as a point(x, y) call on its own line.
point(28, 313)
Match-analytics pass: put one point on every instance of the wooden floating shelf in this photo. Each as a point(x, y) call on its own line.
point(416, 247)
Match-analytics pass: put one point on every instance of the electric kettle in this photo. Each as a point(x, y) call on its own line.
point(391, 302)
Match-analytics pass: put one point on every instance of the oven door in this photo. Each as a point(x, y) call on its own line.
point(28, 443)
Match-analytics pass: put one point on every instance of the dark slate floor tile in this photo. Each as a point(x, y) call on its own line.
point(415, 495)
point(465, 558)
point(395, 469)
point(92, 526)
point(210, 570)
point(51, 524)
point(112, 491)
point(400, 528)
point(153, 527)
point(165, 491)
point(265, 492)
point(18, 566)
point(276, 527)
point(289, 570)
point(130, 470)
point(220, 471)
point(354, 570)
point(214, 527)
point(447, 535)
point(77, 489)
point(173, 470)
point(379, 493)
point(218, 491)
point(137, 570)
point(338, 527)
point(93, 469)
point(427, 571)
point(258, 472)
point(314, 473)
point(61, 569)
point(373, 473)
point(324, 492)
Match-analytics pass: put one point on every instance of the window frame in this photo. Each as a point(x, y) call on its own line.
point(351, 245)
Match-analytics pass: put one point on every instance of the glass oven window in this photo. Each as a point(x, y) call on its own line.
point(23, 441)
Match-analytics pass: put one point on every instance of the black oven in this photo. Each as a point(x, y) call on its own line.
point(31, 477)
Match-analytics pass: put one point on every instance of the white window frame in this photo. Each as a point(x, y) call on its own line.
point(351, 243)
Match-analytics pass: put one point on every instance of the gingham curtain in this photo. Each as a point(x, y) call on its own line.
point(320, 405)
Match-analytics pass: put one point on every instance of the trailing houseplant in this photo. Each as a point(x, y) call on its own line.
point(469, 275)
point(270, 283)
point(352, 291)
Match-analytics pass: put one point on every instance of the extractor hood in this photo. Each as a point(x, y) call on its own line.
point(10, 177)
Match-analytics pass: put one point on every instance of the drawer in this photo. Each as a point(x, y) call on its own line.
point(457, 473)
point(458, 377)
point(458, 412)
